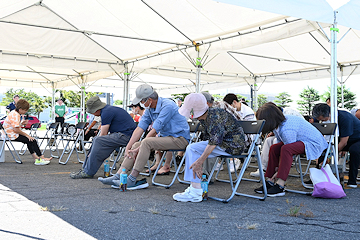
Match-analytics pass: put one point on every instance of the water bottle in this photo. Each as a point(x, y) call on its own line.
point(123, 180)
point(106, 168)
point(204, 186)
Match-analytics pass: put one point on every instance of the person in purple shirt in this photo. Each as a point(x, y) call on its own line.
point(296, 136)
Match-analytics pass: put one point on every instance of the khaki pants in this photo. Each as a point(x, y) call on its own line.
point(149, 144)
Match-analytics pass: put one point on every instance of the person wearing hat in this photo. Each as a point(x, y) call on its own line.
point(12, 105)
point(60, 112)
point(114, 120)
point(226, 137)
point(172, 129)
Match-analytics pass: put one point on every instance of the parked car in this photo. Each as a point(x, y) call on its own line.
point(32, 120)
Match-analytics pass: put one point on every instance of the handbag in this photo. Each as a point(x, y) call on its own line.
point(325, 183)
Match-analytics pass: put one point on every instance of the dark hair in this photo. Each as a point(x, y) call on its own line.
point(307, 117)
point(22, 104)
point(16, 96)
point(272, 115)
point(328, 99)
point(321, 109)
point(230, 97)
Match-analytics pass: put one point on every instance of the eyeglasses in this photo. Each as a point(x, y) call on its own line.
point(143, 101)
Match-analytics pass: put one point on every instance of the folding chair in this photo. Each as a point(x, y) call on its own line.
point(33, 134)
point(249, 127)
point(75, 139)
point(326, 129)
point(51, 136)
point(4, 138)
point(195, 132)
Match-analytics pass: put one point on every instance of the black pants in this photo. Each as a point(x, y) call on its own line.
point(61, 120)
point(90, 134)
point(31, 145)
point(354, 150)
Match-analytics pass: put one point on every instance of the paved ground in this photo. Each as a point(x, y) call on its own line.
point(86, 209)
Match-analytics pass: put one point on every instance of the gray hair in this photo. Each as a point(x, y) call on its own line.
point(153, 96)
point(321, 109)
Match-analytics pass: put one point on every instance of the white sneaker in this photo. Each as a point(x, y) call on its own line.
point(190, 195)
point(255, 174)
point(237, 163)
point(218, 167)
point(231, 166)
point(41, 161)
point(351, 185)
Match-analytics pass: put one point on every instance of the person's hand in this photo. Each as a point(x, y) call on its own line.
point(132, 153)
point(96, 132)
point(342, 153)
point(197, 169)
point(57, 115)
point(30, 138)
point(24, 122)
point(270, 134)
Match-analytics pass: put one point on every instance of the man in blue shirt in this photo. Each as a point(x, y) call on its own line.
point(114, 120)
point(349, 137)
point(171, 128)
point(12, 106)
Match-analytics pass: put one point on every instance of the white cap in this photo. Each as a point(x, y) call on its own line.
point(194, 104)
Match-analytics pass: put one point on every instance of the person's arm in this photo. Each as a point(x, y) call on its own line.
point(66, 111)
point(104, 130)
point(197, 165)
point(134, 138)
point(18, 131)
point(90, 127)
point(342, 143)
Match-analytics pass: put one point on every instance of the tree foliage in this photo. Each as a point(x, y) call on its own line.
point(283, 99)
point(349, 97)
point(309, 98)
point(261, 99)
point(180, 96)
point(37, 104)
point(118, 102)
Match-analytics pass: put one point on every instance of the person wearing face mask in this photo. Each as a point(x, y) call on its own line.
point(136, 112)
point(246, 113)
point(172, 129)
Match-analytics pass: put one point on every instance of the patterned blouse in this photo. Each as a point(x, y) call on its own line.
point(12, 121)
point(223, 130)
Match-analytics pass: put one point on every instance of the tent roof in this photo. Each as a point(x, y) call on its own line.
point(56, 42)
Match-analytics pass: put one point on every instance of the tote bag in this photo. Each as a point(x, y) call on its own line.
point(325, 183)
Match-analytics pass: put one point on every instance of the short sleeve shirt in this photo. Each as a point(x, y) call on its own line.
point(349, 126)
point(118, 119)
point(12, 121)
point(11, 106)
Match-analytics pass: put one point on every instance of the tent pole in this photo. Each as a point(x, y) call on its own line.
point(255, 107)
point(252, 96)
point(126, 87)
point(333, 94)
point(342, 87)
point(198, 73)
point(53, 102)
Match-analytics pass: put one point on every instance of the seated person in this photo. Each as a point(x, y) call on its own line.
point(226, 137)
point(356, 113)
point(114, 120)
point(245, 112)
point(12, 128)
point(174, 134)
point(295, 136)
point(93, 128)
point(136, 112)
point(349, 137)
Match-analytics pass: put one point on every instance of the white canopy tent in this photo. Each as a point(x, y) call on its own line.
point(55, 44)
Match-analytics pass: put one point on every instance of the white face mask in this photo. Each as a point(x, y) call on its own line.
point(143, 105)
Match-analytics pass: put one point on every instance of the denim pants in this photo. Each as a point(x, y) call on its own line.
point(193, 152)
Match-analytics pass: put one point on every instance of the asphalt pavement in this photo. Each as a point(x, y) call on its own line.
point(43, 202)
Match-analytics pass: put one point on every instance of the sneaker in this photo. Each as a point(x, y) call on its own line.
point(41, 161)
point(256, 173)
point(351, 185)
point(189, 195)
point(261, 189)
point(218, 166)
point(80, 174)
point(276, 191)
point(237, 163)
point(109, 180)
point(138, 185)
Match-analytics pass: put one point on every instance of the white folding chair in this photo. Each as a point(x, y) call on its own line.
point(4, 138)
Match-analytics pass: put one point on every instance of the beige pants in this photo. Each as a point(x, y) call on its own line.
point(149, 144)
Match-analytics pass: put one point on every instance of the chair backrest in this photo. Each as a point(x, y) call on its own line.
point(1, 126)
point(252, 127)
point(326, 128)
point(81, 125)
point(54, 125)
point(65, 125)
point(35, 125)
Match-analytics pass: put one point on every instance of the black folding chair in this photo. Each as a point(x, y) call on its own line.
point(195, 131)
point(4, 138)
point(326, 129)
point(249, 127)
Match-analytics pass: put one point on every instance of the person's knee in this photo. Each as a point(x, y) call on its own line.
point(147, 142)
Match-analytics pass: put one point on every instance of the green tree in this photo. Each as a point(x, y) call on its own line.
point(37, 103)
point(309, 98)
point(217, 97)
point(349, 97)
point(283, 99)
point(73, 98)
point(180, 96)
point(118, 102)
point(262, 99)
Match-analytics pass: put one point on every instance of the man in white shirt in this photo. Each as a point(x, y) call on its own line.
point(246, 113)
